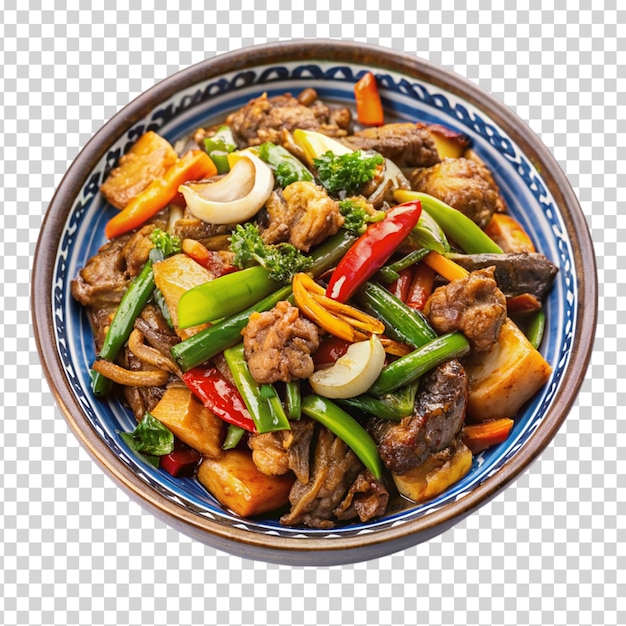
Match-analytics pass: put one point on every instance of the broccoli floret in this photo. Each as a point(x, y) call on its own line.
point(357, 216)
point(282, 261)
point(346, 173)
point(165, 243)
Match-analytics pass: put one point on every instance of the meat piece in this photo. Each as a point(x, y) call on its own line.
point(305, 216)
point(263, 119)
point(515, 273)
point(463, 184)
point(278, 344)
point(140, 399)
point(335, 468)
point(106, 276)
point(439, 415)
point(190, 227)
point(103, 280)
point(475, 305)
point(367, 498)
point(149, 158)
point(406, 144)
point(277, 453)
point(155, 330)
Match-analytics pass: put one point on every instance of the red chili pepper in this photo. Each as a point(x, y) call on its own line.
point(372, 249)
point(329, 351)
point(400, 287)
point(369, 108)
point(219, 395)
point(421, 286)
point(181, 461)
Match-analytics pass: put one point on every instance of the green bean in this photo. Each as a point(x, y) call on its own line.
point(455, 224)
point(392, 406)
point(265, 415)
point(346, 428)
point(410, 367)
point(536, 328)
point(401, 322)
point(131, 305)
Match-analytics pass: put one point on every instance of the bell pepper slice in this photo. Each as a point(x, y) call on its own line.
point(369, 108)
point(194, 165)
point(219, 395)
point(372, 249)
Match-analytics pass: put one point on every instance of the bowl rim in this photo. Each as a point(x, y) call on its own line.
point(290, 549)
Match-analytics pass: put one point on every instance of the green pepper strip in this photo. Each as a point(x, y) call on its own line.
point(233, 437)
point(265, 417)
point(211, 341)
point(389, 273)
point(390, 406)
point(286, 167)
point(346, 428)
point(536, 328)
point(455, 224)
point(401, 322)
point(410, 367)
point(326, 255)
point(293, 400)
point(136, 297)
point(224, 296)
point(219, 146)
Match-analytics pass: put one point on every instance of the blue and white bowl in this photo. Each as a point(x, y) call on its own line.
point(536, 192)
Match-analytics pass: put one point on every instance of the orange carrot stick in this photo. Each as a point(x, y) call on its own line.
point(479, 437)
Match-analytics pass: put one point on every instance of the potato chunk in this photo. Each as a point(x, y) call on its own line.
point(435, 475)
point(503, 379)
point(238, 485)
point(190, 421)
point(173, 277)
point(149, 158)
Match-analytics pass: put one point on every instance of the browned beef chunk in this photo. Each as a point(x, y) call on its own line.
point(190, 227)
point(335, 468)
point(304, 215)
point(367, 498)
point(278, 344)
point(475, 305)
point(463, 184)
point(286, 450)
point(439, 414)
point(515, 273)
point(264, 119)
point(406, 144)
point(106, 276)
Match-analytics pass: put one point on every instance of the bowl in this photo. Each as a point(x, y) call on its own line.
point(534, 187)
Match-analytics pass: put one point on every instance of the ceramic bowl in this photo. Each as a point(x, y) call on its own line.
point(533, 186)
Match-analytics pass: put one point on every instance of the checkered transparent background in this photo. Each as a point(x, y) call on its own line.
point(550, 550)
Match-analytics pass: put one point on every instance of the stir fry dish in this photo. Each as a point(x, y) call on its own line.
point(314, 312)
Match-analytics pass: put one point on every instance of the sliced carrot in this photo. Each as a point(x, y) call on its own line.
point(369, 108)
point(478, 437)
point(194, 165)
point(444, 266)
